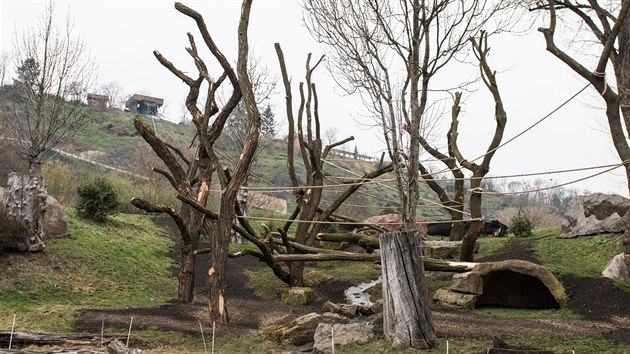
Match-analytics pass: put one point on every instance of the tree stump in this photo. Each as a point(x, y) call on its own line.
point(24, 200)
point(406, 317)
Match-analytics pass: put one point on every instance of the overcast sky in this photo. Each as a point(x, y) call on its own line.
point(123, 34)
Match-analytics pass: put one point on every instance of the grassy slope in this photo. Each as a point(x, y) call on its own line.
point(119, 264)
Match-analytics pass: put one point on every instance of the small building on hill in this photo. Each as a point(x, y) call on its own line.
point(97, 101)
point(142, 104)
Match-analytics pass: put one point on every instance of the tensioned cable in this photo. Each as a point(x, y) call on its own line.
point(394, 189)
point(558, 185)
point(530, 127)
point(355, 222)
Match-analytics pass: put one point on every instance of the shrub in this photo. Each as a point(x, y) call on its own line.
point(521, 226)
point(97, 199)
point(58, 177)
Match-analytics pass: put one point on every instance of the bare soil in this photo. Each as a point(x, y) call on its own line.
point(605, 308)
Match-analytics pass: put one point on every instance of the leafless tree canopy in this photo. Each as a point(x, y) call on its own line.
point(47, 108)
point(389, 51)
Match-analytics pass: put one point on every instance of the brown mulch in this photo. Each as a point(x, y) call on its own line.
point(604, 307)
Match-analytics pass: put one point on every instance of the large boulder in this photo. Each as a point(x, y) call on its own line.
point(455, 299)
point(344, 334)
point(618, 268)
point(595, 214)
point(394, 222)
point(296, 296)
point(297, 332)
point(55, 222)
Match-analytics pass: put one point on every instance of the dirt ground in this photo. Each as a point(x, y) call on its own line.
point(604, 307)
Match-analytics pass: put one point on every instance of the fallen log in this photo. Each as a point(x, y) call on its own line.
point(429, 263)
point(28, 338)
point(363, 240)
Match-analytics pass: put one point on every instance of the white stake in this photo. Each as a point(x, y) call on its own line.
point(213, 323)
point(129, 333)
point(12, 328)
point(447, 346)
point(332, 337)
point(102, 331)
point(205, 348)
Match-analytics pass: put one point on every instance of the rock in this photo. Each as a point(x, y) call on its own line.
point(469, 282)
point(314, 277)
point(618, 268)
point(330, 306)
point(55, 222)
point(393, 222)
point(450, 298)
point(377, 306)
point(296, 296)
point(595, 214)
point(117, 347)
point(443, 249)
point(344, 334)
point(334, 318)
point(349, 310)
point(296, 332)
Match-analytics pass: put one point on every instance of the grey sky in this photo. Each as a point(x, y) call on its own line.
point(123, 34)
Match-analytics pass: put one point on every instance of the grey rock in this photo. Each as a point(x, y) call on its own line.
point(468, 282)
point(344, 334)
point(454, 299)
point(618, 268)
point(595, 214)
point(55, 222)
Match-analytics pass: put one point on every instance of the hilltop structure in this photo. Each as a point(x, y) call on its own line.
point(142, 104)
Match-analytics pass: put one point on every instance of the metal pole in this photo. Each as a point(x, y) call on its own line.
point(12, 329)
point(205, 348)
point(213, 323)
point(129, 333)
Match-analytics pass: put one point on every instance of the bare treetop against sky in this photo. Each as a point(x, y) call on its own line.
point(123, 34)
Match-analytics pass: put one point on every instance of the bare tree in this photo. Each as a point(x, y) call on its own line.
point(479, 170)
point(608, 24)
point(331, 134)
point(54, 68)
point(390, 51)
point(5, 61)
point(113, 91)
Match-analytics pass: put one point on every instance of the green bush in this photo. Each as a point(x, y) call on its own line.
point(521, 226)
point(97, 199)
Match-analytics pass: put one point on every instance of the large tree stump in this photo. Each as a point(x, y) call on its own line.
point(24, 200)
point(406, 317)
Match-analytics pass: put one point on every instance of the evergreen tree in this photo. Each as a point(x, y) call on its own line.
point(28, 73)
point(268, 123)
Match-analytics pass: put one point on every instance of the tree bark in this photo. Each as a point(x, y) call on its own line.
point(24, 200)
point(406, 317)
point(476, 226)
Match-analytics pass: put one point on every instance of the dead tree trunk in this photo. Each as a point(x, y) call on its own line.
point(24, 201)
point(406, 317)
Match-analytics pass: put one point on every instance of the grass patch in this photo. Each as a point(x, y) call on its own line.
point(581, 256)
point(526, 313)
point(120, 263)
point(490, 245)
point(561, 344)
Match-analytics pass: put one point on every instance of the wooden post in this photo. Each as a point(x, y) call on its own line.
point(406, 317)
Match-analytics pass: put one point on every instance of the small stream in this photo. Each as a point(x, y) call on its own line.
point(356, 294)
